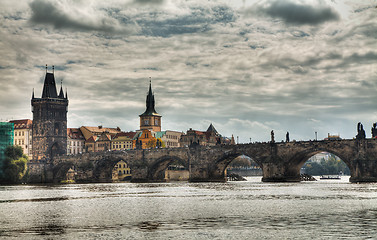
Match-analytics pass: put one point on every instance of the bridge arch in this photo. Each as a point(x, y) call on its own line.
point(103, 170)
point(299, 159)
point(218, 172)
point(156, 171)
point(60, 171)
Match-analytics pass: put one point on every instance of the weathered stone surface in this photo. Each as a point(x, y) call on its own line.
point(280, 162)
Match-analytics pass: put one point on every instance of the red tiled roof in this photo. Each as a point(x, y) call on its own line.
point(91, 139)
point(23, 123)
point(125, 134)
point(102, 129)
point(74, 133)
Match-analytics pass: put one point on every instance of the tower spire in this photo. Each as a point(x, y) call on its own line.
point(150, 119)
point(150, 85)
point(61, 94)
point(49, 87)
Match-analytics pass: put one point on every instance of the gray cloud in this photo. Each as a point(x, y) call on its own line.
point(247, 76)
point(49, 13)
point(149, 2)
point(293, 13)
point(197, 19)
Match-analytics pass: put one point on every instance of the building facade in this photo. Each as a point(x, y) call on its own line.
point(49, 137)
point(75, 141)
point(103, 142)
point(150, 119)
point(208, 138)
point(23, 135)
point(91, 144)
point(122, 141)
point(121, 172)
point(170, 138)
point(144, 139)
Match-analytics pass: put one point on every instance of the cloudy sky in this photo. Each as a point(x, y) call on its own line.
point(246, 66)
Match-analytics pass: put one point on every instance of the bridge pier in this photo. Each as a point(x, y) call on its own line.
point(363, 170)
point(39, 172)
point(202, 173)
point(278, 172)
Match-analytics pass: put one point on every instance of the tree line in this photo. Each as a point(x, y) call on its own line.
point(331, 166)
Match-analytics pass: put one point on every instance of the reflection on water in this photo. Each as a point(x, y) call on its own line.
point(235, 210)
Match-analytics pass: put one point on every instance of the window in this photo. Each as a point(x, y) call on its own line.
point(57, 128)
point(146, 121)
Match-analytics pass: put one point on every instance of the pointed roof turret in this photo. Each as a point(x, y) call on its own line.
point(32, 96)
point(49, 87)
point(61, 94)
point(150, 103)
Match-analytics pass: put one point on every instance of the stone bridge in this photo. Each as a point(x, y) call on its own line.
point(281, 162)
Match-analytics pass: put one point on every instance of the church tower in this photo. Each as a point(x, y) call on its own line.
point(150, 119)
point(49, 121)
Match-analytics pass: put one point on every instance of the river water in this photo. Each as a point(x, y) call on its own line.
point(325, 209)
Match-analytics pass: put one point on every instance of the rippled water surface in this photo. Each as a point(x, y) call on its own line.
point(326, 209)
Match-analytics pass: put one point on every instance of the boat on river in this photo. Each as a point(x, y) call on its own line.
point(327, 177)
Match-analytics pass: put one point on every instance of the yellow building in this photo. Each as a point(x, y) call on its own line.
point(150, 119)
point(121, 172)
point(23, 135)
point(122, 141)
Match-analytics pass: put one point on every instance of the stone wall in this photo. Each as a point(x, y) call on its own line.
point(279, 161)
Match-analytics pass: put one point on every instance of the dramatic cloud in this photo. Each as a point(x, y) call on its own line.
point(294, 66)
point(149, 2)
point(54, 14)
point(295, 12)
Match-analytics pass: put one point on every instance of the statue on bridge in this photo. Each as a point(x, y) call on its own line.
point(360, 131)
point(272, 136)
point(287, 137)
point(374, 130)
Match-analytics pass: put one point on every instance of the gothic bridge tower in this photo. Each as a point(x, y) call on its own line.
point(49, 121)
point(150, 119)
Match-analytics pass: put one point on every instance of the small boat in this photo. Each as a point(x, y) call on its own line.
point(326, 177)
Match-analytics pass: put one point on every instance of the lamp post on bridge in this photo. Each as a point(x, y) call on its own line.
point(316, 135)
